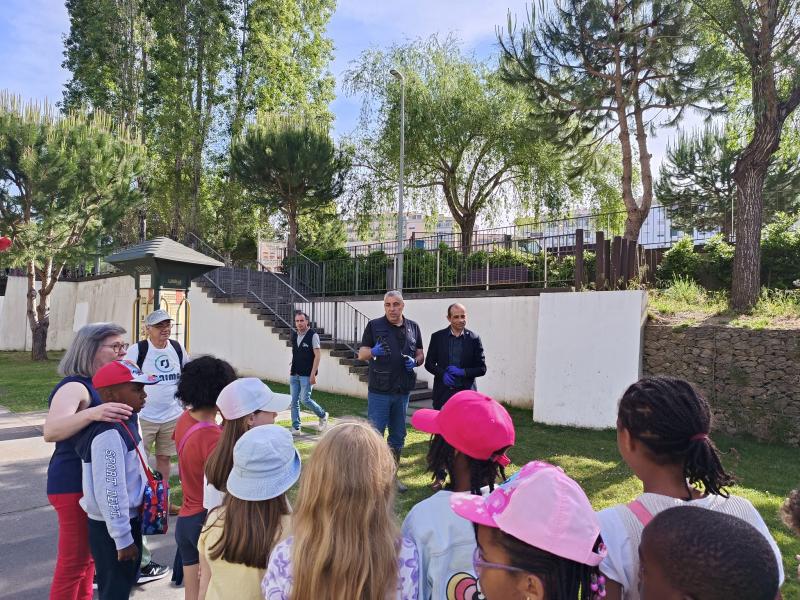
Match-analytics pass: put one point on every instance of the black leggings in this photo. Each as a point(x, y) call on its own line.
point(114, 578)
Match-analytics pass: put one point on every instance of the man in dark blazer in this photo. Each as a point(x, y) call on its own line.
point(455, 357)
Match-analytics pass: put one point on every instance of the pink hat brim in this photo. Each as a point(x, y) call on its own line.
point(426, 419)
point(471, 507)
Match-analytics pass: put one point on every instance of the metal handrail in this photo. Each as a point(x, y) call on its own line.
point(208, 246)
point(316, 264)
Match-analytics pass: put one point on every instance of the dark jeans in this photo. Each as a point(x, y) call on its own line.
point(389, 410)
point(114, 578)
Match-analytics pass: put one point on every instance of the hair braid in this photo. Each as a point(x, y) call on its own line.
point(673, 421)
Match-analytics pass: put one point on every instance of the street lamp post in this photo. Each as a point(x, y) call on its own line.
point(401, 208)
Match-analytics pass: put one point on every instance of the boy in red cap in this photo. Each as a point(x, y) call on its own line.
point(113, 481)
point(471, 434)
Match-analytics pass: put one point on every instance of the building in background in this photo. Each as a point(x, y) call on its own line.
point(383, 228)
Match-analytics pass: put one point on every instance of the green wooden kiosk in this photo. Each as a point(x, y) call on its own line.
point(163, 271)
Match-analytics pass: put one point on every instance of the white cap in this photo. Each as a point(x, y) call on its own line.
point(247, 395)
point(156, 317)
point(265, 464)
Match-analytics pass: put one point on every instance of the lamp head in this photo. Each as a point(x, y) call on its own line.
point(397, 74)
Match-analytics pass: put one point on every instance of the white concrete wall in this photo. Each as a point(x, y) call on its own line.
point(507, 326)
point(232, 332)
point(590, 348)
point(72, 305)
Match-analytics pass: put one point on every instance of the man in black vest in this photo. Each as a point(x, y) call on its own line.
point(303, 372)
point(392, 345)
point(455, 357)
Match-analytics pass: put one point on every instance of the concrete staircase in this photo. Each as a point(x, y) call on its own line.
point(277, 311)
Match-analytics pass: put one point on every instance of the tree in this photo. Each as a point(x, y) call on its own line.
point(290, 165)
point(696, 182)
point(60, 179)
point(468, 136)
point(595, 67)
point(763, 37)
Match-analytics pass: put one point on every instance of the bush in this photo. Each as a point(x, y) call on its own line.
point(780, 253)
point(680, 261)
point(714, 268)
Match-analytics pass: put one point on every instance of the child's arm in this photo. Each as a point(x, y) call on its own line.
point(110, 489)
point(205, 577)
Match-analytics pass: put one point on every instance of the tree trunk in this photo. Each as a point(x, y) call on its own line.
point(38, 313)
point(747, 256)
point(39, 341)
point(467, 226)
point(291, 241)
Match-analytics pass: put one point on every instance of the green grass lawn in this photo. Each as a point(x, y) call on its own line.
point(766, 472)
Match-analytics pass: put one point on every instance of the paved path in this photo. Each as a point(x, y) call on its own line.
point(28, 523)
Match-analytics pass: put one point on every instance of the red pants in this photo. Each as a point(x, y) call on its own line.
point(72, 579)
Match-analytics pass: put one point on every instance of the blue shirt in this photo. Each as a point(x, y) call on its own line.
point(64, 473)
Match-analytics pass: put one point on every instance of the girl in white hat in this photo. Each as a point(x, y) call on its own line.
point(254, 517)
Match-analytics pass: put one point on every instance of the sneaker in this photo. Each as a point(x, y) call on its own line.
point(323, 422)
point(296, 431)
point(152, 572)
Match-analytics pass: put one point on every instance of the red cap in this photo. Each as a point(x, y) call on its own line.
point(121, 371)
point(5, 243)
point(471, 423)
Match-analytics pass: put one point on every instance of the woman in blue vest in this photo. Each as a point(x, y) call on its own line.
point(74, 403)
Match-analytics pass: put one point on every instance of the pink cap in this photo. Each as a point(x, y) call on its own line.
point(541, 506)
point(471, 423)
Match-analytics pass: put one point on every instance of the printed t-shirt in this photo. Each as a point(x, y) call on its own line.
point(163, 363)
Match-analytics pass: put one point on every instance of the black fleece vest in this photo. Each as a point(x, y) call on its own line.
point(388, 374)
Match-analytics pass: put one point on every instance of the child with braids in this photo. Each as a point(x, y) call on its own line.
point(471, 434)
point(663, 435)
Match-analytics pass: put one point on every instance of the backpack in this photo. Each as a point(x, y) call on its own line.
point(143, 347)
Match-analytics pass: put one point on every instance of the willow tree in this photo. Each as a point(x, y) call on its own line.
point(468, 137)
point(290, 165)
point(61, 179)
point(594, 68)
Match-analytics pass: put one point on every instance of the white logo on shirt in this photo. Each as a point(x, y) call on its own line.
point(162, 363)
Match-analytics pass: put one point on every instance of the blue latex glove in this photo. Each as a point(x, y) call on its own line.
point(379, 349)
point(455, 371)
point(449, 380)
point(411, 363)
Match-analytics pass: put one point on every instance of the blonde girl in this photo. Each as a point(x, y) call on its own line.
point(346, 542)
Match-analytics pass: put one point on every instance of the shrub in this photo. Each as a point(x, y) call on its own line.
point(680, 261)
point(714, 268)
point(780, 253)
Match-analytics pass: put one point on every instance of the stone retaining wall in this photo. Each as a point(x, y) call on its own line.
point(751, 378)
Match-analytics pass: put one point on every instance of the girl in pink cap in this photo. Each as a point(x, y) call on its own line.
point(663, 430)
point(471, 434)
point(538, 538)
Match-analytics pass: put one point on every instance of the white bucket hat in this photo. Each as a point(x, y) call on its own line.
point(247, 395)
point(265, 464)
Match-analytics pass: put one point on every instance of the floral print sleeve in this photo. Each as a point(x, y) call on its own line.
point(277, 582)
point(408, 571)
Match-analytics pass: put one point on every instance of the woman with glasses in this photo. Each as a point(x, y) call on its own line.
point(74, 403)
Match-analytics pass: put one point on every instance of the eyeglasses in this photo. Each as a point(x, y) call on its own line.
point(478, 564)
point(117, 347)
point(163, 325)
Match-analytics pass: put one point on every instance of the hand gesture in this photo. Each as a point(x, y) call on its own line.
point(129, 553)
point(448, 379)
point(410, 363)
point(111, 412)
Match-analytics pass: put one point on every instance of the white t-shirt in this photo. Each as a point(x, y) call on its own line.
point(161, 405)
point(446, 543)
point(212, 497)
point(622, 531)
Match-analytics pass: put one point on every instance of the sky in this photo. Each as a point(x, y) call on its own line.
point(32, 34)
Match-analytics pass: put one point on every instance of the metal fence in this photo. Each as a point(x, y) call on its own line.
point(659, 230)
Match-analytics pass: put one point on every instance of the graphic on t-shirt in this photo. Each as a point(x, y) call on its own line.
point(463, 586)
point(163, 364)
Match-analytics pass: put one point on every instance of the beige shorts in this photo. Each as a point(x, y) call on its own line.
point(161, 435)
